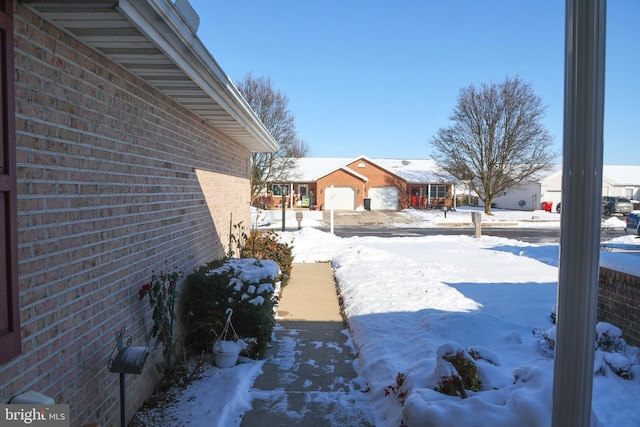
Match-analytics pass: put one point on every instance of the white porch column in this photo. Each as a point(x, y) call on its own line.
point(580, 221)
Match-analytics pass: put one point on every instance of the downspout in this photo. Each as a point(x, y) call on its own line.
point(580, 220)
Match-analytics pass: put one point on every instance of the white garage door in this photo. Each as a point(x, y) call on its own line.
point(384, 198)
point(343, 198)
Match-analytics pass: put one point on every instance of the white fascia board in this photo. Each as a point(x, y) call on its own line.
point(189, 54)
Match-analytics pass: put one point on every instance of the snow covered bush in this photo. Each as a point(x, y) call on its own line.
point(396, 389)
point(547, 339)
point(457, 370)
point(609, 338)
point(470, 387)
point(612, 354)
point(268, 246)
point(247, 286)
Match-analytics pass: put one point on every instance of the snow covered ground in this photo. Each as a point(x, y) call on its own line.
point(410, 300)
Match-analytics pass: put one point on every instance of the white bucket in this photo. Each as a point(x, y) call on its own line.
point(226, 360)
point(227, 352)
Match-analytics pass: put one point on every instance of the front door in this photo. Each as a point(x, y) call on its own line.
point(303, 195)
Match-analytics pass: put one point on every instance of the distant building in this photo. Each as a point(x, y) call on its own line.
point(545, 188)
point(361, 182)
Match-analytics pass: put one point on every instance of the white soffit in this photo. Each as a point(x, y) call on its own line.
point(152, 40)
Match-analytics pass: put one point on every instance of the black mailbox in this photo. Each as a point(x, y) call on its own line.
point(129, 360)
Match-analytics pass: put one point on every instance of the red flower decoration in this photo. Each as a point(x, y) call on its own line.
point(144, 289)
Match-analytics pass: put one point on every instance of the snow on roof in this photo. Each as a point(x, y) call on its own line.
point(310, 168)
point(416, 170)
point(428, 171)
point(411, 170)
point(622, 174)
point(613, 174)
point(546, 173)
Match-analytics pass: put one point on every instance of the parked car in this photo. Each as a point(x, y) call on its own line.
point(633, 223)
point(616, 205)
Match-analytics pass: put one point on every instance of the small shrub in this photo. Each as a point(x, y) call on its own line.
point(161, 292)
point(610, 348)
point(210, 292)
point(544, 336)
point(237, 237)
point(452, 386)
point(266, 246)
point(610, 343)
point(467, 370)
point(395, 388)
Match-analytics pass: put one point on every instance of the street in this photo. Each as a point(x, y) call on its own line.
point(529, 235)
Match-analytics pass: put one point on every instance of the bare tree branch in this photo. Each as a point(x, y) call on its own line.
point(271, 107)
point(497, 140)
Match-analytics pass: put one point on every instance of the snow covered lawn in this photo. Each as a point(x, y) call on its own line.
point(409, 299)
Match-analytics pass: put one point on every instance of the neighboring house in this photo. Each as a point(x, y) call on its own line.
point(621, 180)
point(125, 152)
point(547, 188)
point(361, 182)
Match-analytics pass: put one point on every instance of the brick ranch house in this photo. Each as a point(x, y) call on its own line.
point(126, 151)
point(378, 184)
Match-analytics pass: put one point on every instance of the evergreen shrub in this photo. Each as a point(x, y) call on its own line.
point(210, 291)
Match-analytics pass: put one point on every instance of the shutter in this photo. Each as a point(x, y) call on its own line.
point(10, 343)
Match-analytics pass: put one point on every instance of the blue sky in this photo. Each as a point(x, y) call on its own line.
point(379, 78)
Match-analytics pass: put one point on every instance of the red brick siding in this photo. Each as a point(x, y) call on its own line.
point(115, 181)
point(619, 303)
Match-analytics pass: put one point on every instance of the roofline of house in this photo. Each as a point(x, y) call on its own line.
point(196, 62)
point(364, 178)
point(170, 27)
point(347, 170)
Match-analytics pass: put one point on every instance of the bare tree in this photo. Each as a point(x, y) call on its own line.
point(271, 107)
point(496, 140)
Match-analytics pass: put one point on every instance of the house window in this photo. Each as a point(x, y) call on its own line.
point(275, 190)
point(628, 193)
point(439, 191)
point(10, 343)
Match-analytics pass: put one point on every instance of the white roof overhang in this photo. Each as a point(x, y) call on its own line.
point(152, 40)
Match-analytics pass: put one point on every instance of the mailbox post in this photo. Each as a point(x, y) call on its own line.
point(299, 219)
point(476, 218)
point(127, 360)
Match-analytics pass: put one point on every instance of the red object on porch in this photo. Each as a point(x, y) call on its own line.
point(546, 206)
point(414, 200)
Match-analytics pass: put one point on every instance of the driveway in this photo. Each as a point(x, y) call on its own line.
point(364, 218)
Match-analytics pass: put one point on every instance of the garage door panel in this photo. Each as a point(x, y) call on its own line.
point(341, 198)
point(384, 198)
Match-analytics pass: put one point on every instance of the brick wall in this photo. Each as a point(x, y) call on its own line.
point(619, 303)
point(115, 182)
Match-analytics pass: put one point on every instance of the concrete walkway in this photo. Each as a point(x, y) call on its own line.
point(308, 378)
